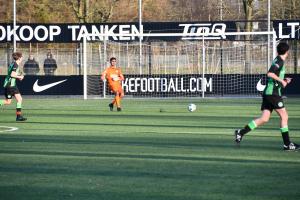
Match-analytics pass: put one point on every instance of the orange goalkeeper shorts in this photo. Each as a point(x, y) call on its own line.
point(116, 88)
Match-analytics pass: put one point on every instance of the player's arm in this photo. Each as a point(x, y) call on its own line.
point(274, 69)
point(121, 77)
point(15, 75)
point(288, 79)
point(283, 82)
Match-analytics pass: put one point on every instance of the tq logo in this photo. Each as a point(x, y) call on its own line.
point(206, 30)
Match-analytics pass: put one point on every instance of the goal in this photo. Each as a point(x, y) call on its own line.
point(182, 69)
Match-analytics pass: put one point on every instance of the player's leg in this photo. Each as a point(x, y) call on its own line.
point(19, 116)
point(113, 102)
point(264, 118)
point(5, 102)
point(118, 101)
point(267, 107)
point(288, 145)
point(120, 95)
point(8, 96)
point(111, 105)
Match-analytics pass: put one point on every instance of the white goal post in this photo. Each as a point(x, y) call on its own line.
point(187, 68)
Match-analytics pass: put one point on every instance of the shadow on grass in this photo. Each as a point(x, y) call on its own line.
point(200, 145)
point(113, 124)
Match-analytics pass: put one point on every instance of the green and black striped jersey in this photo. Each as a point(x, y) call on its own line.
point(10, 81)
point(273, 87)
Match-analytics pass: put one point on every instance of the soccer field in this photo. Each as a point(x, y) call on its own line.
point(153, 149)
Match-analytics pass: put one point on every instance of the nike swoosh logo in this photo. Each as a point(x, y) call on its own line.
point(37, 88)
point(260, 87)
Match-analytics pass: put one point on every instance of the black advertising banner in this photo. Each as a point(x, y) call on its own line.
point(68, 33)
point(49, 85)
point(287, 29)
point(160, 86)
point(190, 85)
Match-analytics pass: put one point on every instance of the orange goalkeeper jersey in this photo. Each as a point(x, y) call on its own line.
point(113, 76)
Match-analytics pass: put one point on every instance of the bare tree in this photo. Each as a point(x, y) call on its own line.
point(93, 10)
point(80, 10)
point(5, 15)
point(248, 9)
point(288, 9)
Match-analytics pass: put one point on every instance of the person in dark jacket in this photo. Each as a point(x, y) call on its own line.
point(31, 67)
point(50, 65)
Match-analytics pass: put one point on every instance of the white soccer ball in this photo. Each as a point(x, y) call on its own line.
point(192, 107)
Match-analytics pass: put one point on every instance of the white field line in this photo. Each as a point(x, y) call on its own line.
point(8, 129)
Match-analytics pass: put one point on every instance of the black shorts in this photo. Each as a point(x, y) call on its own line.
point(271, 102)
point(10, 92)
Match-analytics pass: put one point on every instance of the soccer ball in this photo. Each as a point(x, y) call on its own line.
point(192, 107)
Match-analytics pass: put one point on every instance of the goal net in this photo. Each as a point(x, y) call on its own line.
point(184, 68)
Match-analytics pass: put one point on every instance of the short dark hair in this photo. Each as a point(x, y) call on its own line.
point(282, 48)
point(16, 55)
point(112, 58)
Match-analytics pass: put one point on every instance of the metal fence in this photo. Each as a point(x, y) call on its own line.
point(157, 57)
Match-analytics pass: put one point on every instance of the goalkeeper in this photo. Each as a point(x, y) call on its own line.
point(10, 85)
point(272, 100)
point(114, 77)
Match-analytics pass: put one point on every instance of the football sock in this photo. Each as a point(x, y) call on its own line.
point(114, 101)
point(1, 102)
point(285, 135)
point(118, 101)
point(249, 127)
point(18, 109)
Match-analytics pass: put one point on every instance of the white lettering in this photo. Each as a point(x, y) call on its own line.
point(73, 29)
point(157, 80)
point(182, 85)
point(110, 32)
point(164, 85)
point(124, 30)
point(192, 82)
point(45, 32)
point(96, 33)
point(281, 36)
point(208, 31)
point(21, 33)
point(171, 86)
point(208, 84)
point(219, 28)
point(293, 28)
point(136, 84)
point(2, 33)
point(135, 31)
point(156, 84)
point(131, 85)
point(83, 32)
point(144, 85)
point(199, 84)
point(54, 30)
point(10, 33)
point(151, 85)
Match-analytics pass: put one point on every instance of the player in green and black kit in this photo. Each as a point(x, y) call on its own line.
point(272, 100)
point(10, 85)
